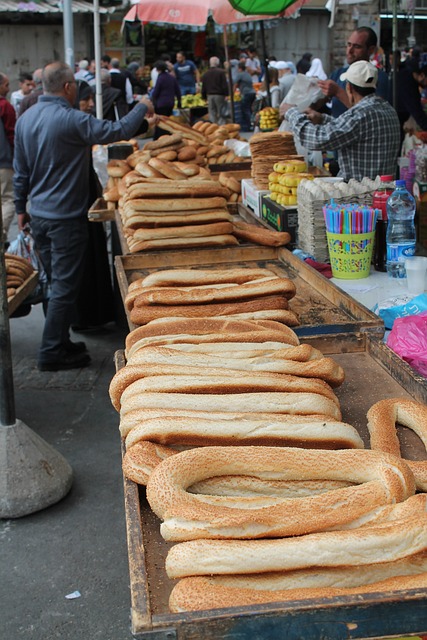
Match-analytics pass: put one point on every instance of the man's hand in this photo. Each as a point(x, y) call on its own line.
point(148, 104)
point(152, 120)
point(329, 88)
point(284, 107)
point(23, 219)
point(314, 116)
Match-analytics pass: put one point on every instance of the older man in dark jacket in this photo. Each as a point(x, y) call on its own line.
point(52, 162)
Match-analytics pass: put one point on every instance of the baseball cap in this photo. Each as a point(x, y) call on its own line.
point(362, 74)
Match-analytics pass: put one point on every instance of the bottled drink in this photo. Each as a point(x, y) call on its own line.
point(401, 237)
point(381, 195)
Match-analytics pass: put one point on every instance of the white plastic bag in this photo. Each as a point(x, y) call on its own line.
point(304, 92)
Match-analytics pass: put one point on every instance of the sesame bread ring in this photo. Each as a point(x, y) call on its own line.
point(381, 479)
point(382, 418)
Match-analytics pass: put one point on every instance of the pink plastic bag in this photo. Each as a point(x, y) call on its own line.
point(408, 338)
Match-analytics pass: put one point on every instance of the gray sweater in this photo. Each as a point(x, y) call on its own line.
point(53, 154)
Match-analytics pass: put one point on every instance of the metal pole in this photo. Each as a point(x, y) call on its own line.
point(394, 48)
point(7, 396)
point(67, 17)
point(264, 54)
point(230, 79)
point(97, 43)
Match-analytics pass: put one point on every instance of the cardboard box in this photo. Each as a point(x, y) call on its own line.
point(252, 197)
point(281, 218)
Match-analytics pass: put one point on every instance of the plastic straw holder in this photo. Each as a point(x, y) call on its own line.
point(350, 254)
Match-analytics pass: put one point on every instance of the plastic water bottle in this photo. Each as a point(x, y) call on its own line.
point(401, 236)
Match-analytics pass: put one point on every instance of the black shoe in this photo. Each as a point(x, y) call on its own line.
point(75, 347)
point(69, 361)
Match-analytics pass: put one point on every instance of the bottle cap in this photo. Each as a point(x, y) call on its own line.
point(400, 183)
point(386, 178)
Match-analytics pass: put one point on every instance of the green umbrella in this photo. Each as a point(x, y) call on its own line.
point(265, 7)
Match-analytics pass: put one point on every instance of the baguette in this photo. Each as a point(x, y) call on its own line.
point(161, 378)
point(203, 310)
point(324, 434)
point(188, 190)
point(163, 141)
point(262, 236)
point(142, 315)
point(381, 479)
point(199, 327)
point(167, 169)
point(176, 204)
point(147, 171)
point(289, 403)
point(324, 368)
point(177, 277)
point(199, 593)
point(188, 231)
point(164, 220)
point(186, 242)
point(249, 290)
point(382, 543)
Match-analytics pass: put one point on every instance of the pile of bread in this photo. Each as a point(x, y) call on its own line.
point(235, 293)
point(236, 430)
point(165, 204)
point(268, 149)
point(18, 270)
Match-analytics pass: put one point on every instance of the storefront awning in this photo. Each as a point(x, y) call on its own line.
point(46, 6)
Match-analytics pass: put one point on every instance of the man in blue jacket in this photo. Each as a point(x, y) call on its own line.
point(52, 167)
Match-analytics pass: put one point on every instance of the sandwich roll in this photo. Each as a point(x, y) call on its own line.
point(381, 479)
point(194, 277)
point(162, 220)
point(262, 236)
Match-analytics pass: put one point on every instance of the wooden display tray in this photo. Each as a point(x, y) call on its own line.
point(327, 314)
point(23, 292)
point(370, 376)
point(99, 211)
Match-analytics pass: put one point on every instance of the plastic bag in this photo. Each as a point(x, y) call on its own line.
point(24, 247)
point(400, 307)
point(304, 92)
point(408, 339)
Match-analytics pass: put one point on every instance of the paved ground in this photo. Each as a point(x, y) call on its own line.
point(79, 543)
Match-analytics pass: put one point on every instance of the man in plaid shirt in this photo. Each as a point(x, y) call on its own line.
point(366, 136)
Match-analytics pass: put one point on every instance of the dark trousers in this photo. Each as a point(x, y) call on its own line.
point(247, 100)
point(61, 245)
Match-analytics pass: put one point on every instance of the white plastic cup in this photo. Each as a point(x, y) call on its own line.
point(416, 268)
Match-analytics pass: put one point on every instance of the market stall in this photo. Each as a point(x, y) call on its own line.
point(182, 305)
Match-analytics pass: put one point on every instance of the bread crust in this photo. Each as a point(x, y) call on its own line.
point(186, 242)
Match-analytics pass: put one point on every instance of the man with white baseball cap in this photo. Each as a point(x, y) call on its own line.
point(366, 136)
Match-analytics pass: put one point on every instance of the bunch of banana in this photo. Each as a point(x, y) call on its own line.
point(189, 101)
point(268, 119)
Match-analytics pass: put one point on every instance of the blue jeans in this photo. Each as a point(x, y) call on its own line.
point(61, 245)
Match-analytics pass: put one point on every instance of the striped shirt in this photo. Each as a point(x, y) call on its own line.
point(366, 137)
